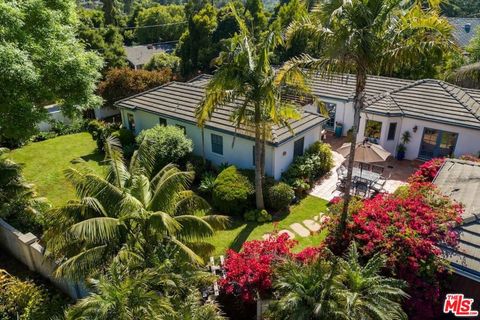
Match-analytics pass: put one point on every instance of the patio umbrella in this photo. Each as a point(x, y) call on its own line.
point(365, 152)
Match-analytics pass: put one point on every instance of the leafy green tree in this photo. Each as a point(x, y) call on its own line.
point(288, 12)
point(196, 47)
point(245, 72)
point(162, 60)
point(171, 16)
point(128, 215)
point(256, 17)
point(120, 83)
point(112, 10)
point(41, 61)
point(335, 288)
point(369, 37)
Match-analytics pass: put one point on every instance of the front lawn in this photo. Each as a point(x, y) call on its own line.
point(44, 163)
point(241, 231)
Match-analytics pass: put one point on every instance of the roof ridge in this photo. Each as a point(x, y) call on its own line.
point(144, 92)
point(381, 96)
point(448, 88)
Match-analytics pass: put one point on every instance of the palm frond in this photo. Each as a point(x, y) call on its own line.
point(96, 230)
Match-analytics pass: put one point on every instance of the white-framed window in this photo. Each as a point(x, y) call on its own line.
point(217, 143)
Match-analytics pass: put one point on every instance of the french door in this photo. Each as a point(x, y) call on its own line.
point(437, 143)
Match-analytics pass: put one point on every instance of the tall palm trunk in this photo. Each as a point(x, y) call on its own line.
point(264, 142)
point(258, 160)
point(358, 103)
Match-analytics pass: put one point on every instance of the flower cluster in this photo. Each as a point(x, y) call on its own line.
point(407, 226)
point(249, 272)
point(427, 171)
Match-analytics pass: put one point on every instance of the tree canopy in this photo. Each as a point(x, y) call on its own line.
point(172, 17)
point(41, 61)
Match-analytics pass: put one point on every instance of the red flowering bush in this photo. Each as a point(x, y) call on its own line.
point(309, 254)
point(249, 272)
point(407, 226)
point(427, 171)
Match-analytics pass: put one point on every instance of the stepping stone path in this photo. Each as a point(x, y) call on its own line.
point(300, 229)
point(312, 225)
point(309, 227)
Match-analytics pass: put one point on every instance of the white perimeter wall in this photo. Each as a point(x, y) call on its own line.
point(238, 152)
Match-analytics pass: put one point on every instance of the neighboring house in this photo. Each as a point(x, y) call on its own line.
point(460, 180)
point(138, 56)
point(54, 114)
point(443, 119)
point(175, 103)
point(464, 29)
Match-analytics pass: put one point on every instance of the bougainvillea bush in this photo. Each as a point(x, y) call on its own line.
point(427, 171)
point(407, 226)
point(249, 273)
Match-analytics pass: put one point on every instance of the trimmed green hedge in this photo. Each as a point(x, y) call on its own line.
point(232, 192)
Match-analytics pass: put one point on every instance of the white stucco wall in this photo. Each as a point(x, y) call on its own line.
point(283, 155)
point(54, 113)
point(238, 153)
point(468, 139)
point(105, 112)
point(343, 114)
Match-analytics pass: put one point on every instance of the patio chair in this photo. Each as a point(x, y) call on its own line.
point(378, 169)
point(361, 189)
point(364, 166)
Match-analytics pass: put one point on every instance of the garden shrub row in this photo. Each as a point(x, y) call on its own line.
point(27, 300)
point(233, 193)
point(305, 170)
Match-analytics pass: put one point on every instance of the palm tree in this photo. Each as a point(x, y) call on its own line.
point(338, 289)
point(368, 37)
point(245, 76)
point(467, 76)
point(128, 215)
point(123, 296)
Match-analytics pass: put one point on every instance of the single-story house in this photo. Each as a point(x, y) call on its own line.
point(460, 180)
point(464, 29)
point(442, 119)
point(175, 103)
point(138, 56)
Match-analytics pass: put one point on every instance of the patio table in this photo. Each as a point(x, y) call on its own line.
point(366, 174)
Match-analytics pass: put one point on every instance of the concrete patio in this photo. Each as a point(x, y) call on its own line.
point(396, 172)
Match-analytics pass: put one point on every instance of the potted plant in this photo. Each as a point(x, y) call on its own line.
point(402, 148)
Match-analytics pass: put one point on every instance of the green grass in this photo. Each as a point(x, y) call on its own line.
point(240, 232)
point(44, 163)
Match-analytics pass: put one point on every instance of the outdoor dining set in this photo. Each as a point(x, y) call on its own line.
point(368, 176)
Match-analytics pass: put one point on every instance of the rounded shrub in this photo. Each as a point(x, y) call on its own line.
point(231, 192)
point(263, 216)
point(280, 196)
point(259, 216)
point(168, 144)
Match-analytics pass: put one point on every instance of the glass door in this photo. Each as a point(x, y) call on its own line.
point(330, 123)
point(437, 143)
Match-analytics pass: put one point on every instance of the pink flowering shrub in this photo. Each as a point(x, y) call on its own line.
point(427, 171)
point(407, 226)
point(249, 272)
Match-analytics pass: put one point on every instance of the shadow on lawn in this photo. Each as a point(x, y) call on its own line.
point(248, 228)
point(95, 157)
